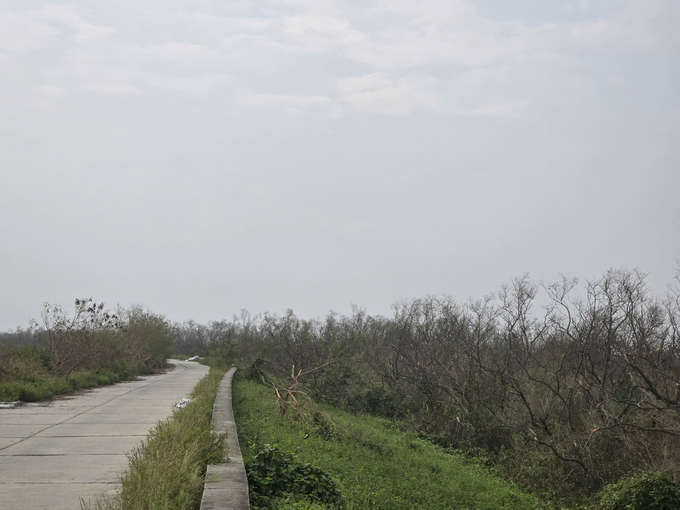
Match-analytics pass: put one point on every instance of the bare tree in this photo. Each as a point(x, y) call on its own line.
point(72, 340)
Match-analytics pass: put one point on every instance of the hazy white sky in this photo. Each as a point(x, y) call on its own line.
point(199, 157)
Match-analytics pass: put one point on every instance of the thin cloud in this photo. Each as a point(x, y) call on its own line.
point(85, 32)
point(268, 100)
point(21, 33)
point(447, 56)
point(378, 93)
point(649, 25)
point(497, 110)
point(52, 90)
point(318, 34)
point(178, 52)
point(95, 76)
point(202, 85)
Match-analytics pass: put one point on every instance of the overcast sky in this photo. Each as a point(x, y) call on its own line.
point(199, 157)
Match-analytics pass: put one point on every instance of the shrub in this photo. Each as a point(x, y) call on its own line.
point(273, 474)
point(81, 380)
point(650, 491)
point(378, 401)
point(149, 334)
point(30, 391)
point(255, 370)
point(10, 391)
point(24, 391)
point(29, 363)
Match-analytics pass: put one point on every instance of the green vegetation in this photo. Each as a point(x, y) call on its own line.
point(167, 471)
point(92, 347)
point(372, 464)
point(651, 491)
point(36, 390)
point(274, 475)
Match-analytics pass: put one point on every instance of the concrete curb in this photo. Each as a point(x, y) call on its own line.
point(226, 485)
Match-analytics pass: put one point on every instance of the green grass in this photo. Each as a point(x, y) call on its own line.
point(373, 465)
point(167, 470)
point(36, 389)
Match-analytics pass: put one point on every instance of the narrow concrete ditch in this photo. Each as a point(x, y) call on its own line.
point(226, 485)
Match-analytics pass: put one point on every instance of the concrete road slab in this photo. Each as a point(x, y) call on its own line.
point(51, 469)
point(8, 441)
point(87, 400)
point(156, 402)
point(95, 429)
point(53, 454)
point(148, 418)
point(33, 419)
point(51, 496)
point(163, 410)
point(8, 430)
point(94, 445)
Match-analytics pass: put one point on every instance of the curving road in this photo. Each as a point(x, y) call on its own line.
point(52, 454)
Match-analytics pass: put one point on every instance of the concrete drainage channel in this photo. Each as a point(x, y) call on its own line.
point(226, 485)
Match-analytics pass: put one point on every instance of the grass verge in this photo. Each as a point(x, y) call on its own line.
point(37, 389)
point(372, 464)
point(167, 470)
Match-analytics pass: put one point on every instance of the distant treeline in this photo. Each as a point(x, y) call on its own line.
point(564, 401)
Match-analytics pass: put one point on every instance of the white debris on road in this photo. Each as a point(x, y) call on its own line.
point(192, 358)
point(183, 403)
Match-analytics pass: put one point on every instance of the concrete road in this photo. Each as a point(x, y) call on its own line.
point(52, 454)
